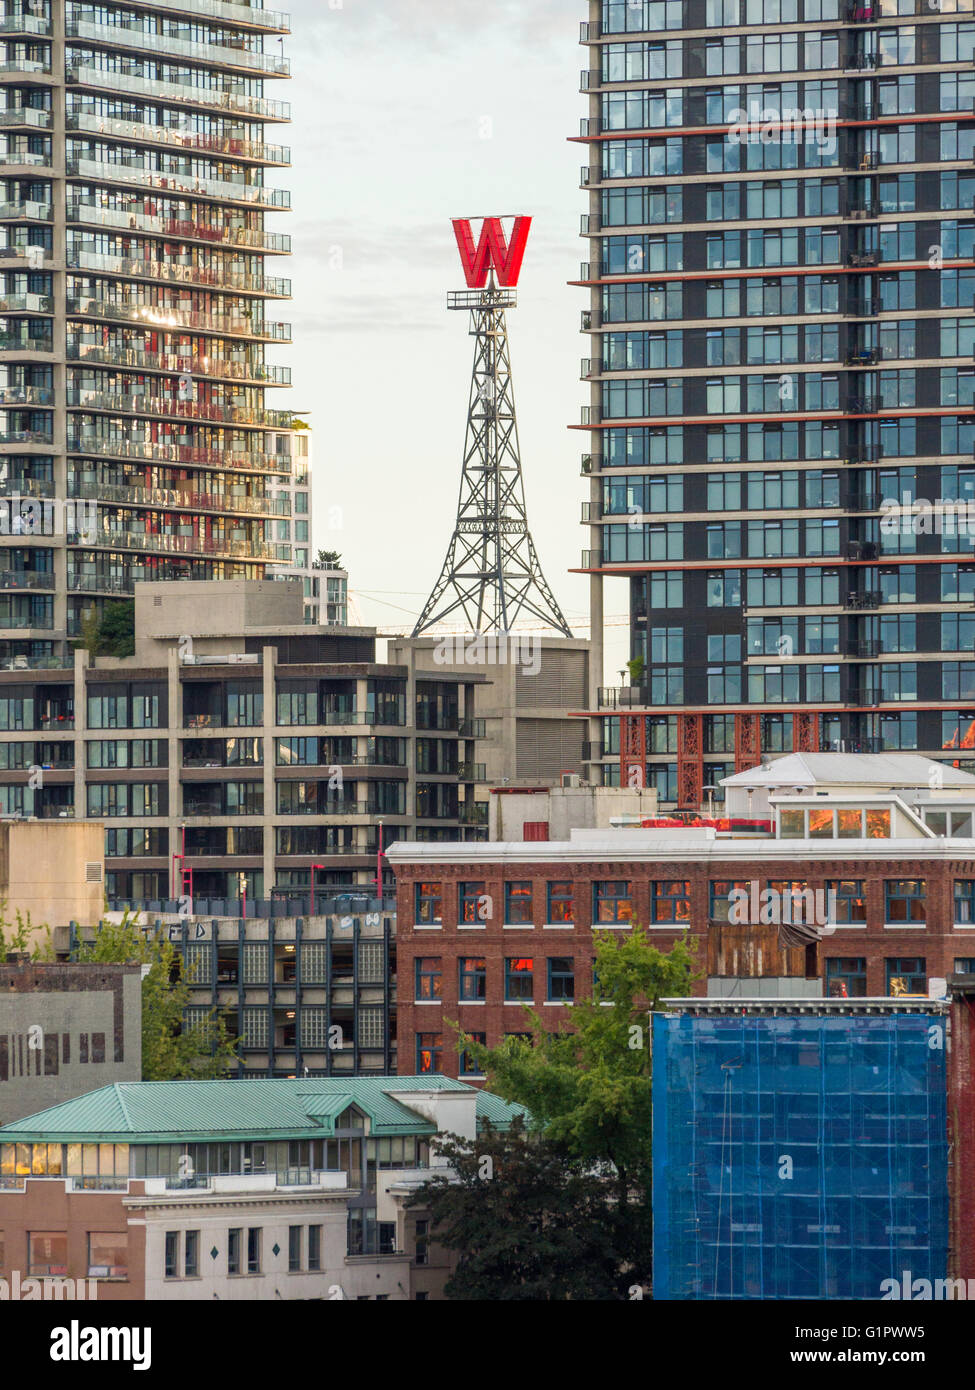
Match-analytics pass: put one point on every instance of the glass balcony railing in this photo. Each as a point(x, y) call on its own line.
point(108, 447)
point(216, 367)
point(172, 272)
point(194, 141)
point(163, 407)
point(176, 228)
point(26, 65)
point(24, 159)
point(26, 395)
point(25, 579)
point(167, 544)
point(215, 55)
point(251, 16)
point(26, 212)
point(25, 116)
point(11, 343)
point(254, 195)
point(212, 98)
point(160, 316)
point(97, 583)
point(182, 500)
point(27, 437)
point(26, 304)
point(25, 24)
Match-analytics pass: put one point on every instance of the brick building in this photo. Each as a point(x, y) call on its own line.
point(484, 928)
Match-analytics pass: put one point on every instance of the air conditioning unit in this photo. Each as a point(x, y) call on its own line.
point(571, 779)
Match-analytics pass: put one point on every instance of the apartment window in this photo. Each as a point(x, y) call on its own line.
point(669, 902)
point(472, 906)
point(561, 979)
point(611, 902)
point(846, 977)
point(429, 1052)
point(719, 897)
point(233, 1251)
point(108, 1255)
point(561, 905)
point(421, 1247)
point(254, 1250)
point(314, 1248)
point(965, 901)
point(907, 975)
point(429, 977)
point(191, 1254)
point(851, 904)
point(518, 904)
point(469, 1065)
point(904, 900)
point(472, 978)
point(965, 965)
point(519, 979)
point(429, 904)
point(172, 1254)
point(294, 1249)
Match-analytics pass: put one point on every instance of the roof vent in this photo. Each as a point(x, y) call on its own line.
point(93, 872)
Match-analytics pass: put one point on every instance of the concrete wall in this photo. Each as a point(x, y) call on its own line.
point(175, 608)
point(565, 809)
point(66, 1030)
point(44, 871)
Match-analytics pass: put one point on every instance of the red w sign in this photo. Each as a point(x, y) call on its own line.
point(492, 251)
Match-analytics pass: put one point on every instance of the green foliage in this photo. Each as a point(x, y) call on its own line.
point(170, 1052)
point(112, 633)
point(589, 1091)
point(328, 559)
point(526, 1221)
point(18, 940)
point(636, 668)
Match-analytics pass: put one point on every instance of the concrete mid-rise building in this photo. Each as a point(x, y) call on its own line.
point(236, 1190)
point(240, 750)
point(51, 871)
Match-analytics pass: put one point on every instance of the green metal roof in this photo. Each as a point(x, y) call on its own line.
point(159, 1112)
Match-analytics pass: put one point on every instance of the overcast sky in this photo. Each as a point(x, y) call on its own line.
point(407, 113)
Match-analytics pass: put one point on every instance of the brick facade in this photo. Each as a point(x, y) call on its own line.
point(750, 951)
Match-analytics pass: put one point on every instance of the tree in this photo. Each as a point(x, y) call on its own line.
point(328, 560)
point(526, 1221)
point(22, 939)
point(170, 1050)
point(111, 632)
point(589, 1091)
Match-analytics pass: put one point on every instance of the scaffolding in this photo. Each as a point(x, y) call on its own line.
point(799, 1153)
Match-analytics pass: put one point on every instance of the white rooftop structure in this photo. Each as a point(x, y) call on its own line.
point(881, 770)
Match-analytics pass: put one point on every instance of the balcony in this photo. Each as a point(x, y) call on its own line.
point(589, 126)
point(26, 304)
point(19, 67)
point(857, 696)
point(25, 24)
point(862, 160)
point(862, 357)
point(211, 99)
point(869, 212)
point(247, 15)
point(26, 395)
point(183, 185)
point(173, 498)
point(589, 79)
point(10, 343)
point(97, 584)
point(862, 550)
point(473, 813)
point(861, 62)
point(23, 159)
point(16, 116)
point(861, 14)
point(471, 772)
point(108, 447)
point(168, 544)
point(623, 696)
point(214, 55)
point(27, 211)
point(216, 367)
point(172, 272)
point(862, 600)
point(194, 141)
point(471, 728)
point(589, 32)
point(27, 487)
point(162, 316)
point(862, 453)
point(176, 229)
point(26, 579)
point(863, 260)
point(864, 501)
point(27, 438)
point(163, 407)
point(862, 405)
point(864, 648)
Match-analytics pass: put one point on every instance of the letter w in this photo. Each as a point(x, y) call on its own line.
point(492, 251)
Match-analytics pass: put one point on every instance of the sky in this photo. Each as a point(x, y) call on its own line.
point(407, 113)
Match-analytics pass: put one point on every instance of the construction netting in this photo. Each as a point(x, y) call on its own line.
point(798, 1156)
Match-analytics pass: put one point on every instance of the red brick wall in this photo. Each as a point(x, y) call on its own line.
point(721, 951)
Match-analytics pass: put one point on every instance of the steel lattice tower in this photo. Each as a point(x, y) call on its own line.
point(492, 573)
